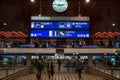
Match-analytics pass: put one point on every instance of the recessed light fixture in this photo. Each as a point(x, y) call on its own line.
point(113, 24)
point(4, 24)
point(32, 0)
point(116, 53)
point(87, 1)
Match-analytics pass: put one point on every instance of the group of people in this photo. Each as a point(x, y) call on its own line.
point(50, 68)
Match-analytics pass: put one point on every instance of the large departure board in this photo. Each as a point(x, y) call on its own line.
point(60, 25)
point(59, 33)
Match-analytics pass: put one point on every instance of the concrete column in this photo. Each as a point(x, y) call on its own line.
point(15, 62)
point(28, 60)
point(90, 60)
point(29, 65)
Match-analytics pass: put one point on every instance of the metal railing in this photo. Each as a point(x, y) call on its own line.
point(6, 71)
point(112, 71)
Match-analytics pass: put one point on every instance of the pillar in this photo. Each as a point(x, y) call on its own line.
point(28, 60)
point(15, 62)
point(29, 65)
point(90, 60)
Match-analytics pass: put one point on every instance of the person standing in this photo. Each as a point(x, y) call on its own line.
point(50, 69)
point(59, 65)
point(68, 65)
point(39, 69)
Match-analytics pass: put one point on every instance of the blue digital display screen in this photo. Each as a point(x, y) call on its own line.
point(60, 25)
point(59, 33)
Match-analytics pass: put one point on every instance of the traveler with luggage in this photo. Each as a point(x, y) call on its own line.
point(39, 69)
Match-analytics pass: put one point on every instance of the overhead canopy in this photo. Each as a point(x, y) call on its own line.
point(13, 34)
point(106, 34)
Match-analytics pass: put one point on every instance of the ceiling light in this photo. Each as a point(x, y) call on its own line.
point(87, 1)
point(4, 24)
point(39, 15)
point(116, 53)
point(113, 24)
point(32, 0)
point(105, 54)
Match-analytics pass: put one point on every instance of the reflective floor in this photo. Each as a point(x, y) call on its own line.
point(65, 73)
point(61, 76)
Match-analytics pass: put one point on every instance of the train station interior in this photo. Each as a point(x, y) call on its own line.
point(59, 40)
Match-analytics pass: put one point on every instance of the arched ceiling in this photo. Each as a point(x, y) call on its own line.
point(102, 13)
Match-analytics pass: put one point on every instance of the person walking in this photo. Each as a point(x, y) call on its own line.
point(39, 69)
point(50, 69)
point(76, 66)
point(80, 67)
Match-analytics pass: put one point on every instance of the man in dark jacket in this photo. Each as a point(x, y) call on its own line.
point(39, 68)
point(76, 66)
point(80, 68)
point(59, 65)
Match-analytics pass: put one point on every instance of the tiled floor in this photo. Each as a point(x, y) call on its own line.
point(61, 76)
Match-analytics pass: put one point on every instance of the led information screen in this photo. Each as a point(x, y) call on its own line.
point(60, 25)
point(59, 33)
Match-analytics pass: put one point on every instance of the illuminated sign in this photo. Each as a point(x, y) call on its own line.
point(60, 25)
point(59, 33)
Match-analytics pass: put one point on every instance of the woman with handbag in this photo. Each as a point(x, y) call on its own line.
point(50, 69)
